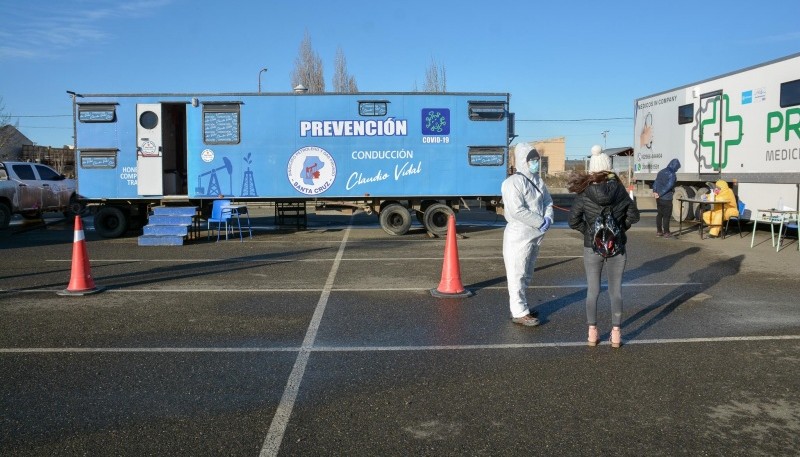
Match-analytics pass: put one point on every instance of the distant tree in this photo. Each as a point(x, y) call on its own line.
point(6, 132)
point(308, 68)
point(435, 78)
point(343, 83)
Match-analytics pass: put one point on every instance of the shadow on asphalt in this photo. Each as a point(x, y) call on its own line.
point(701, 280)
point(174, 272)
point(708, 277)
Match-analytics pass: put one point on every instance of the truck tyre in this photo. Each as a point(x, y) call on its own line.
point(436, 217)
point(110, 222)
point(5, 216)
point(395, 219)
point(421, 212)
point(688, 209)
point(699, 193)
point(75, 207)
point(420, 215)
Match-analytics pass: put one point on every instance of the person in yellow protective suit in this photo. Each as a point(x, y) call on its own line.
point(713, 218)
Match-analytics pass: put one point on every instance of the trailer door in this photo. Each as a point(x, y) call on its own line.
point(149, 149)
point(711, 110)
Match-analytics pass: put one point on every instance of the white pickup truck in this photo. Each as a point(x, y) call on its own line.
point(30, 189)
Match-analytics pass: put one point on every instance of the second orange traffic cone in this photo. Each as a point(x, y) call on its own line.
point(450, 286)
point(80, 282)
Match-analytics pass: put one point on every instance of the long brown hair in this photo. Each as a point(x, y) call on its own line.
point(578, 181)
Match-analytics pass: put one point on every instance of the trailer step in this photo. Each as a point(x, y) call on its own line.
point(170, 226)
point(169, 220)
point(166, 230)
point(175, 210)
point(160, 240)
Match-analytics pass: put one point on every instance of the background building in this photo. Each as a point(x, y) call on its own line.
point(553, 154)
point(11, 142)
point(14, 146)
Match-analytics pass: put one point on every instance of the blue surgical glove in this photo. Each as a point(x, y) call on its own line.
point(546, 224)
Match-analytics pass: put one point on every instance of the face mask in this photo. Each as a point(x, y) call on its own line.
point(533, 166)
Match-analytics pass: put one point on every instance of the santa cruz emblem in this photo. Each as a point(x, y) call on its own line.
point(311, 170)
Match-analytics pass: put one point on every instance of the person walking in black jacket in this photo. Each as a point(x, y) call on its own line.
point(595, 190)
point(663, 190)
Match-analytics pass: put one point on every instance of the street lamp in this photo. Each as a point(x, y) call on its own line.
point(259, 78)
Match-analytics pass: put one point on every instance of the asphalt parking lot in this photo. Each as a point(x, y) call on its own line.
point(328, 342)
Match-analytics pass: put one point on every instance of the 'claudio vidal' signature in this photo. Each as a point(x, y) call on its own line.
point(408, 169)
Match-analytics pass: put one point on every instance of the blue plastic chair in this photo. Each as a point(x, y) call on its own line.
point(219, 216)
point(790, 223)
point(738, 219)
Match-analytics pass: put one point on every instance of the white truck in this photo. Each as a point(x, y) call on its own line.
point(30, 189)
point(742, 127)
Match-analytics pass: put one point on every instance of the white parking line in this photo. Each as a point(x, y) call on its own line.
point(344, 289)
point(272, 442)
point(455, 347)
point(267, 259)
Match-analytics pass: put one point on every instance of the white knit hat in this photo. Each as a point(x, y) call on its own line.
point(599, 160)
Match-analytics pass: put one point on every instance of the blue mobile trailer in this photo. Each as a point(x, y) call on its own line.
point(388, 153)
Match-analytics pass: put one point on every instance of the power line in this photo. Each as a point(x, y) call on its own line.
point(517, 120)
point(50, 115)
point(44, 127)
point(577, 120)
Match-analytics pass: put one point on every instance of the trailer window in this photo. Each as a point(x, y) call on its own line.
point(790, 93)
point(376, 108)
point(480, 156)
point(221, 123)
point(686, 114)
point(98, 158)
point(487, 111)
point(97, 113)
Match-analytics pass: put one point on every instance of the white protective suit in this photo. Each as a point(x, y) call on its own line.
point(525, 209)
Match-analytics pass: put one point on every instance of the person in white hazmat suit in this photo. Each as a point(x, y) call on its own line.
point(528, 209)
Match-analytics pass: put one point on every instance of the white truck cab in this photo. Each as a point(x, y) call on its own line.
point(30, 189)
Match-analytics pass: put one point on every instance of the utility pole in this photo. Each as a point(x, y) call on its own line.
point(605, 134)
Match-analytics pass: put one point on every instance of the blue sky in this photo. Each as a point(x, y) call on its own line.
point(573, 69)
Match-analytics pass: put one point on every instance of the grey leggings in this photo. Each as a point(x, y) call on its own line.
point(615, 266)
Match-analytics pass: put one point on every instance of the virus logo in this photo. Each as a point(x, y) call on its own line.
point(435, 121)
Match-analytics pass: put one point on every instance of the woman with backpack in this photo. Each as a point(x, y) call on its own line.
point(599, 194)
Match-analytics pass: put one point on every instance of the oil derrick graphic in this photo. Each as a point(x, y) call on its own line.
point(213, 182)
point(248, 182)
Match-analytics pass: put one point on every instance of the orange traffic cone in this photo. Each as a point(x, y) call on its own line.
point(450, 286)
point(80, 282)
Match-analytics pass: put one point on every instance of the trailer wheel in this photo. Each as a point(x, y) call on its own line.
point(110, 222)
point(423, 207)
point(436, 217)
point(688, 209)
point(5, 216)
point(395, 219)
point(701, 191)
